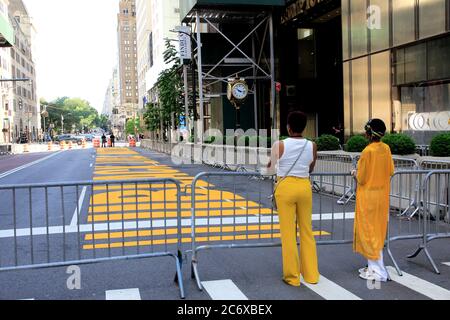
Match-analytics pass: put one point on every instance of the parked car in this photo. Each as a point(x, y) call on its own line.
point(88, 137)
point(69, 137)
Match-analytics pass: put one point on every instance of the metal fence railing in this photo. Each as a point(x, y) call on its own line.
point(229, 210)
point(430, 201)
point(429, 164)
point(52, 225)
point(436, 211)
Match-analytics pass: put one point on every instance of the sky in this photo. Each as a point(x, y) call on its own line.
point(76, 47)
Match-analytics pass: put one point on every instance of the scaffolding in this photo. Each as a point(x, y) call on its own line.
point(256, 65)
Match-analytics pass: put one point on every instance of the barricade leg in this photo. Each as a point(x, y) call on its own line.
point(179, 275)
point(195, 275)
point(427, 253)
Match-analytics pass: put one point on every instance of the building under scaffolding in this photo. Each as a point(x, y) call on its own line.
point(232, 42)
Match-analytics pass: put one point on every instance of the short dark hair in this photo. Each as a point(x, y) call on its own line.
point(297, 121)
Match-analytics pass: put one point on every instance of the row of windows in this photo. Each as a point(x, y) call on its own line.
point(427, 61)
point(386, 24)
point(16, 56)
point(128, 48)
point(21, 106)
point(17, 73)
point(25, 93)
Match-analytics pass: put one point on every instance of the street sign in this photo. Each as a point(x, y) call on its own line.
point(184, 35)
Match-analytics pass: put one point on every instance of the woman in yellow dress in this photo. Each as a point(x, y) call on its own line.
point(374, 172)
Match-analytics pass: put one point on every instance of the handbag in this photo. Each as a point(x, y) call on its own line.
point(276, 184)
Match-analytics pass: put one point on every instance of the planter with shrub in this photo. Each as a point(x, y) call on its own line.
point(328, 142)
point(400, 144)
point(440, 145)
point(357, 144)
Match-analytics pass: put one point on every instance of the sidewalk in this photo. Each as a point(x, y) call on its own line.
point(36, 148)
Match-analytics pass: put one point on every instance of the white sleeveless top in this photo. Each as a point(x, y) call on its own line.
point(292, 148)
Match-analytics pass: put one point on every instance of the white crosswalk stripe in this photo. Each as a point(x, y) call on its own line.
point(419, 285)
point(223, 290)
point(124, 294)
point(329, 290)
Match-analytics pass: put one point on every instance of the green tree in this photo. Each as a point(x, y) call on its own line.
point(152, 117)
point(78, 114)
point(133, 126)
point(169, 87)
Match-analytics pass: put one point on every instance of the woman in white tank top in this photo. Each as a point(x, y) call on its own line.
point(295, 159)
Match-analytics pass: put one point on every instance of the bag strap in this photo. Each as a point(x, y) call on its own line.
point(292, 167)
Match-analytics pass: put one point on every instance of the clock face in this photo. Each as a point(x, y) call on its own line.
point(239, 91)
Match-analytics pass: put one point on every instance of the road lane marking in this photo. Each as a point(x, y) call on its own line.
point(74, 221)
point(223, 290)
point(124, 294)
point(329, 290)
point(419, 285)
point(5, 174)
point(142, 224)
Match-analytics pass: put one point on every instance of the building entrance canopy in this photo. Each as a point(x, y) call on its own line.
point(6, 33)
point(187, 7)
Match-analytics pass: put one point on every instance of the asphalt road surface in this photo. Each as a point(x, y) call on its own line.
point(56, 220)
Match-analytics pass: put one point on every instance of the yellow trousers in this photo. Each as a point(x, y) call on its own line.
point(294, 202)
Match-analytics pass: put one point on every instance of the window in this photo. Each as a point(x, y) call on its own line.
point(431, 19)
point(426, 61)
point(403, 21)
point(150, 49)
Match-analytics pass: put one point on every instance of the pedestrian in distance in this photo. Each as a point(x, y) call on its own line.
point(373, 175)
point(103, 141)
point(294, 160)
point(113, 139)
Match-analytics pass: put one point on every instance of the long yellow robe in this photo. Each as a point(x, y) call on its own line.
point(375, 169)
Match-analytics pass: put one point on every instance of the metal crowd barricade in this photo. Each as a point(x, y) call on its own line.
point(436, 211)
point(53, 225)
point(229, 210)
point(404, 193)
point(431, 164)
point(337, 163)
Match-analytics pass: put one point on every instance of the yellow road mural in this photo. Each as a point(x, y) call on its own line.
point(156, 203)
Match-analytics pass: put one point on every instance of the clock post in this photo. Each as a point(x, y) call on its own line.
point(237, 92)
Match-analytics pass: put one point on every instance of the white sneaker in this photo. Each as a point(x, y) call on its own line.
point(371, 276)
point(363, 270)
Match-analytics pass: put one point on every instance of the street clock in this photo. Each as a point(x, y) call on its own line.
point(237, 91)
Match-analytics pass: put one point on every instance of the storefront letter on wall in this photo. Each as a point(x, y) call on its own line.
point(374, 20)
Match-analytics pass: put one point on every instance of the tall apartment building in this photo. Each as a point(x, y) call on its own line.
point(112, 106)
point(155, 20)
point(24, 117)
point(127, 41)
point(144, 47)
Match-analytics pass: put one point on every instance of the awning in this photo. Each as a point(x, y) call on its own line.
point(6, 33)
point(186, 6)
